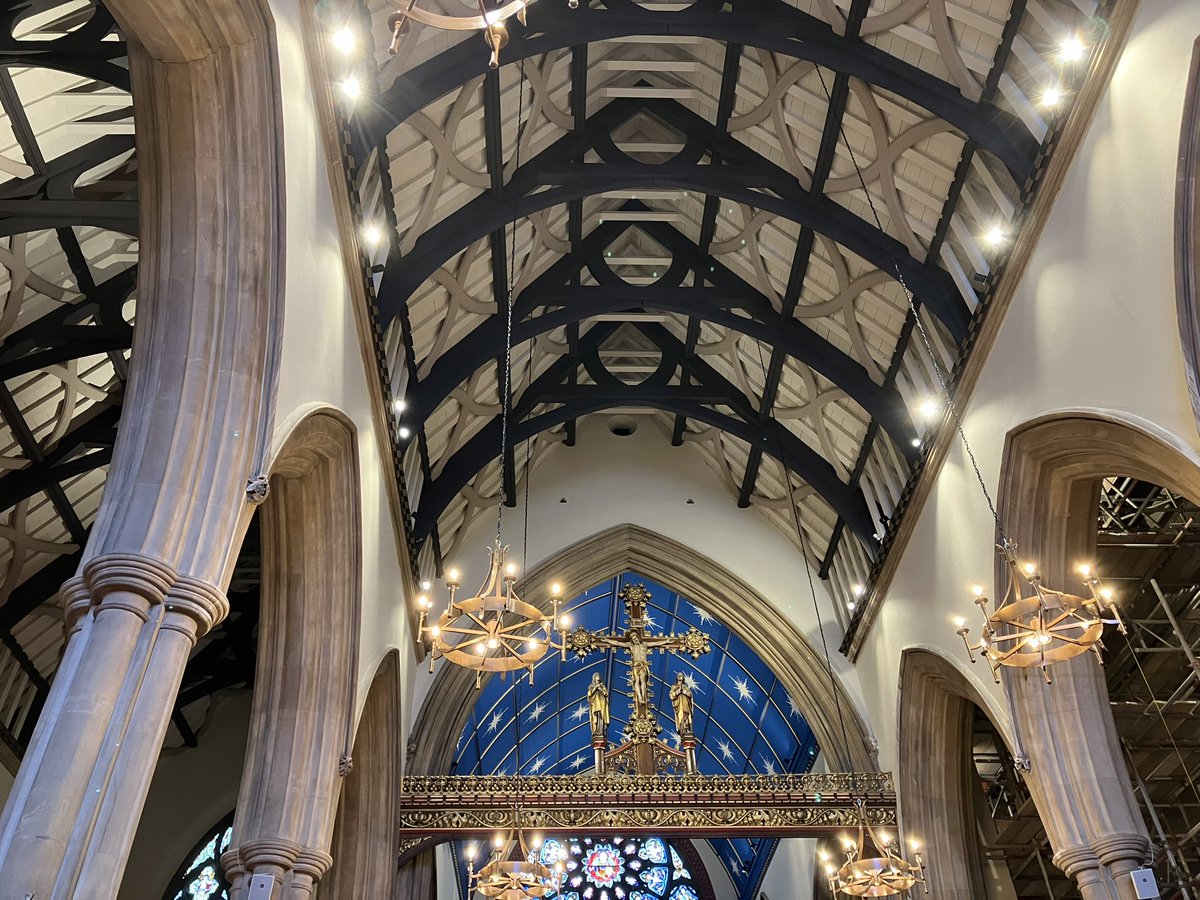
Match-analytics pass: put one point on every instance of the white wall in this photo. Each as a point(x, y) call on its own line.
point(322, 363)
point(1092, 327)
point(790, 875)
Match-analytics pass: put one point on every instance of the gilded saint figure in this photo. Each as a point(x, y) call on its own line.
point(684, 705)
point(598, 707)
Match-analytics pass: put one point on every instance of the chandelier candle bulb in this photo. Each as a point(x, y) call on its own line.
point(1039, 626)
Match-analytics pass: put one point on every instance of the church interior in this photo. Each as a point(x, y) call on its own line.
point(599, 449)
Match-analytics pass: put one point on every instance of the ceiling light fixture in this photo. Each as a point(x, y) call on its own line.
point(514, 870)
point(345, 40)
point(873, 867)
point(1052, 96)
point(492, 22)
point(1071, 49)
point(994, 236)
point(351, 88)
point(495, 630)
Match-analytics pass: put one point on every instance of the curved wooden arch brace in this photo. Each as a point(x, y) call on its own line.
point(198, 416)
point(364, 833)
point(301, 726)
point(1049, 481)
point(1187, 233)
point(936, 773)
point(772, 26)
point(722, 594)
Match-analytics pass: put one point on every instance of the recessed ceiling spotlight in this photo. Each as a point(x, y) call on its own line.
point(345, 40)
point(858, 590)
point(994, 236)
point(1071, 49)
point(351, 88)
point(404, 433)
point(400, 406)
point(372, 234)
point(916, 442)
point(930, 408)
point(1052, 96)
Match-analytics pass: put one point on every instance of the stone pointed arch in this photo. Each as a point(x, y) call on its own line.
point(1049, 480)
point(1187, 232)
point(935, 769)
point(302, 724)
point(364, 834)
point(797, 663)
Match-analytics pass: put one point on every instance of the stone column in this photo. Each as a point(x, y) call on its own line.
point(195, 428)
point(1079, 778)
point(1049, 486)
point(304, 695)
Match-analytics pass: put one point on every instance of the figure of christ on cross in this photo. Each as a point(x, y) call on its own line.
point(639, 644)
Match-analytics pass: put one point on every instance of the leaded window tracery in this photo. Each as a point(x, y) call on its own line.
point(616, 868)
point(201, 877)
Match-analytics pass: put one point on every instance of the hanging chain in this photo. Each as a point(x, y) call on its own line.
point(505, 399)
point(812, 588)
point(916, 317)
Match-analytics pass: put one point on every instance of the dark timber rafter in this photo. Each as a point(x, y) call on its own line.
point(579, 82)
point(743, 176)
point(770, 24)
point(718, 302)
point(657, 392)
point(831, 133)
point(712, 203)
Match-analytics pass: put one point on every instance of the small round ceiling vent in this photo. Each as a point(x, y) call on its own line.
point(622, 426)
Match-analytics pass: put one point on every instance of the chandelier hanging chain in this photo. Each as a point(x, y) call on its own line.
point(812, 588)
point(505, 397)
point(916, 318)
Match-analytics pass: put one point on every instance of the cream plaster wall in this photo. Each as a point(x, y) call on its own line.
point(641, 479)
point(1092, 327)
point(790, 874)
point(322, 364)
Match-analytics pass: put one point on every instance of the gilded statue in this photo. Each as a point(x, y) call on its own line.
point(598, 706)
point(684, 705)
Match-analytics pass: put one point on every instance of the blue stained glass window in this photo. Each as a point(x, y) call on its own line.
point(201, 877)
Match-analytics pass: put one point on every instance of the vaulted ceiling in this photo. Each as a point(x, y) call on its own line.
point(705, 212)
point(68, 273)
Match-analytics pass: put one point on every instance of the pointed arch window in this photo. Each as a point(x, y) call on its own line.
point(200, 876)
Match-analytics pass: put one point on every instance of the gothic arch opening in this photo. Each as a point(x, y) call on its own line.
point(364, 833)
point(302, 722)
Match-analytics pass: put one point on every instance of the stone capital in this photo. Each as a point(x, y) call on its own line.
point(278, 853)
point(128, 573)
point(202, 603)
point(1074, 860)
point(1114, 848)
point(313, 863)
point(76, 601)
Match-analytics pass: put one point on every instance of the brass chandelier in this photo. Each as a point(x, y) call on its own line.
point(494, 630)
point(1042, 627)
point(873, 867)
point(514, 870)
point(490, 21)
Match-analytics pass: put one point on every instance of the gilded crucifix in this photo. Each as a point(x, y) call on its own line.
point(639, 643)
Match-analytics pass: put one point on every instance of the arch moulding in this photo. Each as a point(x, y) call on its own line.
point(302, 723)
point(798, 664)
point(1049, 484)
point(935, 771)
